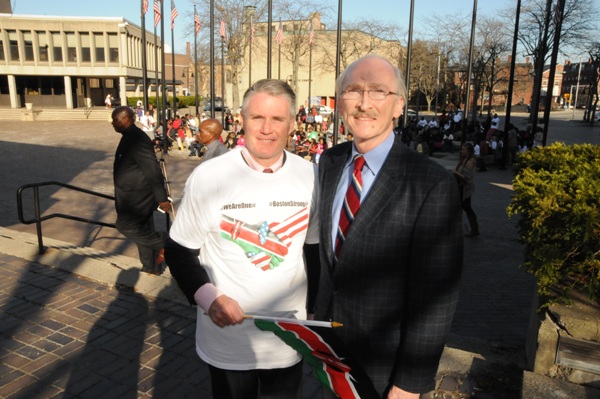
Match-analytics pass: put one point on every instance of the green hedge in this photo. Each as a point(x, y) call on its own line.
point(182, 101)
point(557, 195)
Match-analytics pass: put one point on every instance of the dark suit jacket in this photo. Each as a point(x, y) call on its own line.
point(395, 285)
point(139, 182)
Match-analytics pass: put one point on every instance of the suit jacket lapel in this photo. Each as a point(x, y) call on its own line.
point(330, 178)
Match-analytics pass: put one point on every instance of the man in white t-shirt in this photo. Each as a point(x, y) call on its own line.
point(246, 222)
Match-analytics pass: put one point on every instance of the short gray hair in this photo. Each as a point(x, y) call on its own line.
point(400, 85)
point(272, 87)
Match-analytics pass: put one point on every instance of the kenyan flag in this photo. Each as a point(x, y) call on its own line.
point(327, 357)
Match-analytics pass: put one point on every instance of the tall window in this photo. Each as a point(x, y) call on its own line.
point(71, 47)
point(113, 48)
point(57, 46)
point(14, 45)
point(42, 46)
point(86, 55)
point(28, 41)
point(99, 47)
point(2, 58)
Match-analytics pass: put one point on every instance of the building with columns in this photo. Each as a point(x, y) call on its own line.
point(71, 62)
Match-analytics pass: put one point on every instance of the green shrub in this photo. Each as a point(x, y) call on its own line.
point(557, 195)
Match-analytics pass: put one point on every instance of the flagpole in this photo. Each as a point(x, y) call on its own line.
point(196, 58)
point(310, 66)
point(465, 120)
point(222, 82)
point(174, 107)
point(144, 66)
point(212, 58)
point(336, 120)
point(269, 36)
point(559, 10)
point(311, 323)
point(279, 55)
point(511, 81)
point(156, 71)
point(162, 61)
point(408, 62)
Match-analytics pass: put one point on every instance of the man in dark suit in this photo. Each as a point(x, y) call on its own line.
point(139, 189)
point(393, 279)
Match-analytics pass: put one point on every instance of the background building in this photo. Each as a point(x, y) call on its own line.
point(70, 62)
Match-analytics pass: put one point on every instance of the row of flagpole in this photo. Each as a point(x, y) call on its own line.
point(158, 10)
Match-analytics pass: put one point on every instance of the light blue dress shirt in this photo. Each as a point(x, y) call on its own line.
point(374, 160)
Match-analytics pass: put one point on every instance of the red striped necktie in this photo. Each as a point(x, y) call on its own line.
point(351, 204)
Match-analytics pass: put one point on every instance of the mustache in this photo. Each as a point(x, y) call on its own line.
point(364, 115)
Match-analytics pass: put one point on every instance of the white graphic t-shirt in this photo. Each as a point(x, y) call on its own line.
point(250, 228)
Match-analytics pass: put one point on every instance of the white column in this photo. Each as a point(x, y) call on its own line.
point(68, 92)
point(122, 90)
point(12, 91)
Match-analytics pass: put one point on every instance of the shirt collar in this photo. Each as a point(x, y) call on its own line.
point(250, 161)
point(374, 159)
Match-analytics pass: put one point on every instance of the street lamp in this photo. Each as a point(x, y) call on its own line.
point(187, 75)
point(250, 10)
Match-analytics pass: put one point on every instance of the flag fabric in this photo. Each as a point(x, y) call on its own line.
point(197, 23)
point(156, 12)
point(144, 6)
point(279, 36)
point(311, 35)
point(174, 14)
point(222, 30)
point(330, 361)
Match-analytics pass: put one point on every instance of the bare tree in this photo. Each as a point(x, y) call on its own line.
point(579, 25)
point(423, 73)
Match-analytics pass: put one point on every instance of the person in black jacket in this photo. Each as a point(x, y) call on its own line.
point(139, 190)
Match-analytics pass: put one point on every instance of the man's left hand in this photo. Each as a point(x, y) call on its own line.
point(397, 393)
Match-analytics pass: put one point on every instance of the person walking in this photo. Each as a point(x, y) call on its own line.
point(139, 190)
point(465, 172)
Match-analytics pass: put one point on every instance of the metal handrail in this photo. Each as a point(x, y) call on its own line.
point(39, 219)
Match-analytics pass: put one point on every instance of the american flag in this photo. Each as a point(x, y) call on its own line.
point(222, 30)
point(197, 23)
point(144, 7)
point(252, 30)
point(156, 12)
point(279, 36)
point(174, 14)
point(311, 35)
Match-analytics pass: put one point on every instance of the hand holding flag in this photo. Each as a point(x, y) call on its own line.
point(326, 355)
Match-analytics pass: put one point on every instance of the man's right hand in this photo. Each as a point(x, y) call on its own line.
point(225, 311)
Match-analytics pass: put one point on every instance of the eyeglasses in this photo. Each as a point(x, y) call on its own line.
point(374, 94)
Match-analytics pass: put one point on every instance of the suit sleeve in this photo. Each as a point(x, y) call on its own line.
point(434, 273)
point(185, 268)
point(146, 159)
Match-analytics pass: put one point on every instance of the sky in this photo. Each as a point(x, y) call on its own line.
point(394, 10)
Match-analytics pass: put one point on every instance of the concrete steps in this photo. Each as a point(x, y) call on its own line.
point(55, 114)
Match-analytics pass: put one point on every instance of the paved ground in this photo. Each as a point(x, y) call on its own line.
point(78, 329)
